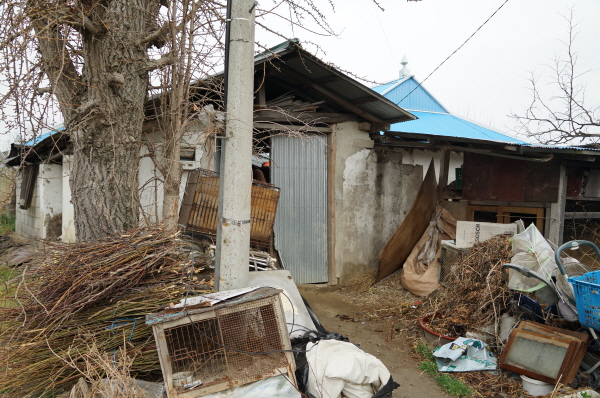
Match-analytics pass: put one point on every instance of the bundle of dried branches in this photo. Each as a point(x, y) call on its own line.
point(475, 293)
point(101, 291)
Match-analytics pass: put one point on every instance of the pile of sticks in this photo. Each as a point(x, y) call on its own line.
point(76, 296)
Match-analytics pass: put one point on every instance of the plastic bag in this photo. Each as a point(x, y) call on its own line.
point(531, 250)
point(464, 355)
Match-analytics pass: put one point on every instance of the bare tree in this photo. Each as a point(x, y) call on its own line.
point(558, 112)
point(90, 64)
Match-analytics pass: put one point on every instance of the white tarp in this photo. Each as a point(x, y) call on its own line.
point(296, 315)
point(464, 355)
point(273, 387)
point(339, 367)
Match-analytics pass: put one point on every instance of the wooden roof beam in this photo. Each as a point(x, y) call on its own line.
point(330, 95)
point(364, 101)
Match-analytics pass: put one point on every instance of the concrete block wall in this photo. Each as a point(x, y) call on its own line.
point(46, 202)
point(50, 183)
point(28, 222)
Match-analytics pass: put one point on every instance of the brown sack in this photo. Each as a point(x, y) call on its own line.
point(420, 273)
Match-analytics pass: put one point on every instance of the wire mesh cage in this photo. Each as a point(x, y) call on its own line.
point(582, 221)
point(216, 348)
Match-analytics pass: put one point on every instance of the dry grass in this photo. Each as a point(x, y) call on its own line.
point(80, 300)
point(474, 294)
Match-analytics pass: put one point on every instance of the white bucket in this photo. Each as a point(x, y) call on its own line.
point(535, 387)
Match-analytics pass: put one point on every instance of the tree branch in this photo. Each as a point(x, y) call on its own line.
point(154, 64)
point(43, 90)
point(57, 64)
point(561, 115)
point(156, 35)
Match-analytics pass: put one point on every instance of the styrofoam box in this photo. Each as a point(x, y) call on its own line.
point(470, 232)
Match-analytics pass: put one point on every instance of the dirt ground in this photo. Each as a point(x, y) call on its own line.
point(372, 336)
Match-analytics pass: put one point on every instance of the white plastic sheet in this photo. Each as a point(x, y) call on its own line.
point(464, 355)
point(338, 367)
point(531, 250)
point(273, 387)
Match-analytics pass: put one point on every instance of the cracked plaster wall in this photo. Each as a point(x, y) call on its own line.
point(373, 193)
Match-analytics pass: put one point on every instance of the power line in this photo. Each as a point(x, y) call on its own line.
point(384, 35)
point(454, 52)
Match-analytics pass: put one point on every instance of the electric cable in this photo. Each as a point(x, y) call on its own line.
point(383, 31)
point(453, 52)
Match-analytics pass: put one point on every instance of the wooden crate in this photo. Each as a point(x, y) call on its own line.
point(200, 206)
point(543, 352)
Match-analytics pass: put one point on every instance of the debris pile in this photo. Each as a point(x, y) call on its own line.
point(475, 294)
point(511, 294)
point(73, 298)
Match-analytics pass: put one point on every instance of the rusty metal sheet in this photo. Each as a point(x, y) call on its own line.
point(500, 179)
point(543, 180)
point(477, 179)
point(592, 188)
point(574, 181)
point(200, 206)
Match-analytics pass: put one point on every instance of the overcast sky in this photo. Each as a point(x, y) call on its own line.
point(486, 79)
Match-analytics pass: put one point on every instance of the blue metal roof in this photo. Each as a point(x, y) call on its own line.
point(42, 137)
point(447, 125)
point(434, 119)
point(407, 93)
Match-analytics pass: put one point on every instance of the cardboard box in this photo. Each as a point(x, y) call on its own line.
point(469, 232)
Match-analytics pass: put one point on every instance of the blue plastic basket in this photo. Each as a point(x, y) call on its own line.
point(587, 297)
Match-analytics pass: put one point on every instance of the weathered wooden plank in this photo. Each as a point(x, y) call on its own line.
point(397, 250)
point(199, 210)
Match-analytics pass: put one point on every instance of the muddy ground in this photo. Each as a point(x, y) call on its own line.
point(373, 337)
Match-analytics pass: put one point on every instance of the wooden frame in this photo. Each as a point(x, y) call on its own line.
point(332, 269)
point(547, 344)
point(503, 213)
point(167, 320)
point(583, 340)
point(544, 346)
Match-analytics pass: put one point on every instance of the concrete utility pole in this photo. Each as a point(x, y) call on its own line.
point(233, 230)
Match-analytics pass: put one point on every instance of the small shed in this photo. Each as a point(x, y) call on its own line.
point(487, 175)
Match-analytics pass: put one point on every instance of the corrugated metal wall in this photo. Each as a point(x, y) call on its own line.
point(299, 168)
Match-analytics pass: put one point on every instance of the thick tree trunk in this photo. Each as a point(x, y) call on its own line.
point(106, 132)
point(172, 180)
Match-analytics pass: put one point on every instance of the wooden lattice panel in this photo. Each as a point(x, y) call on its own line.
point(200, 206)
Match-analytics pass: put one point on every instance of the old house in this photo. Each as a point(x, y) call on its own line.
point(494, 177)
point(341, 199)
point(349, 161)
